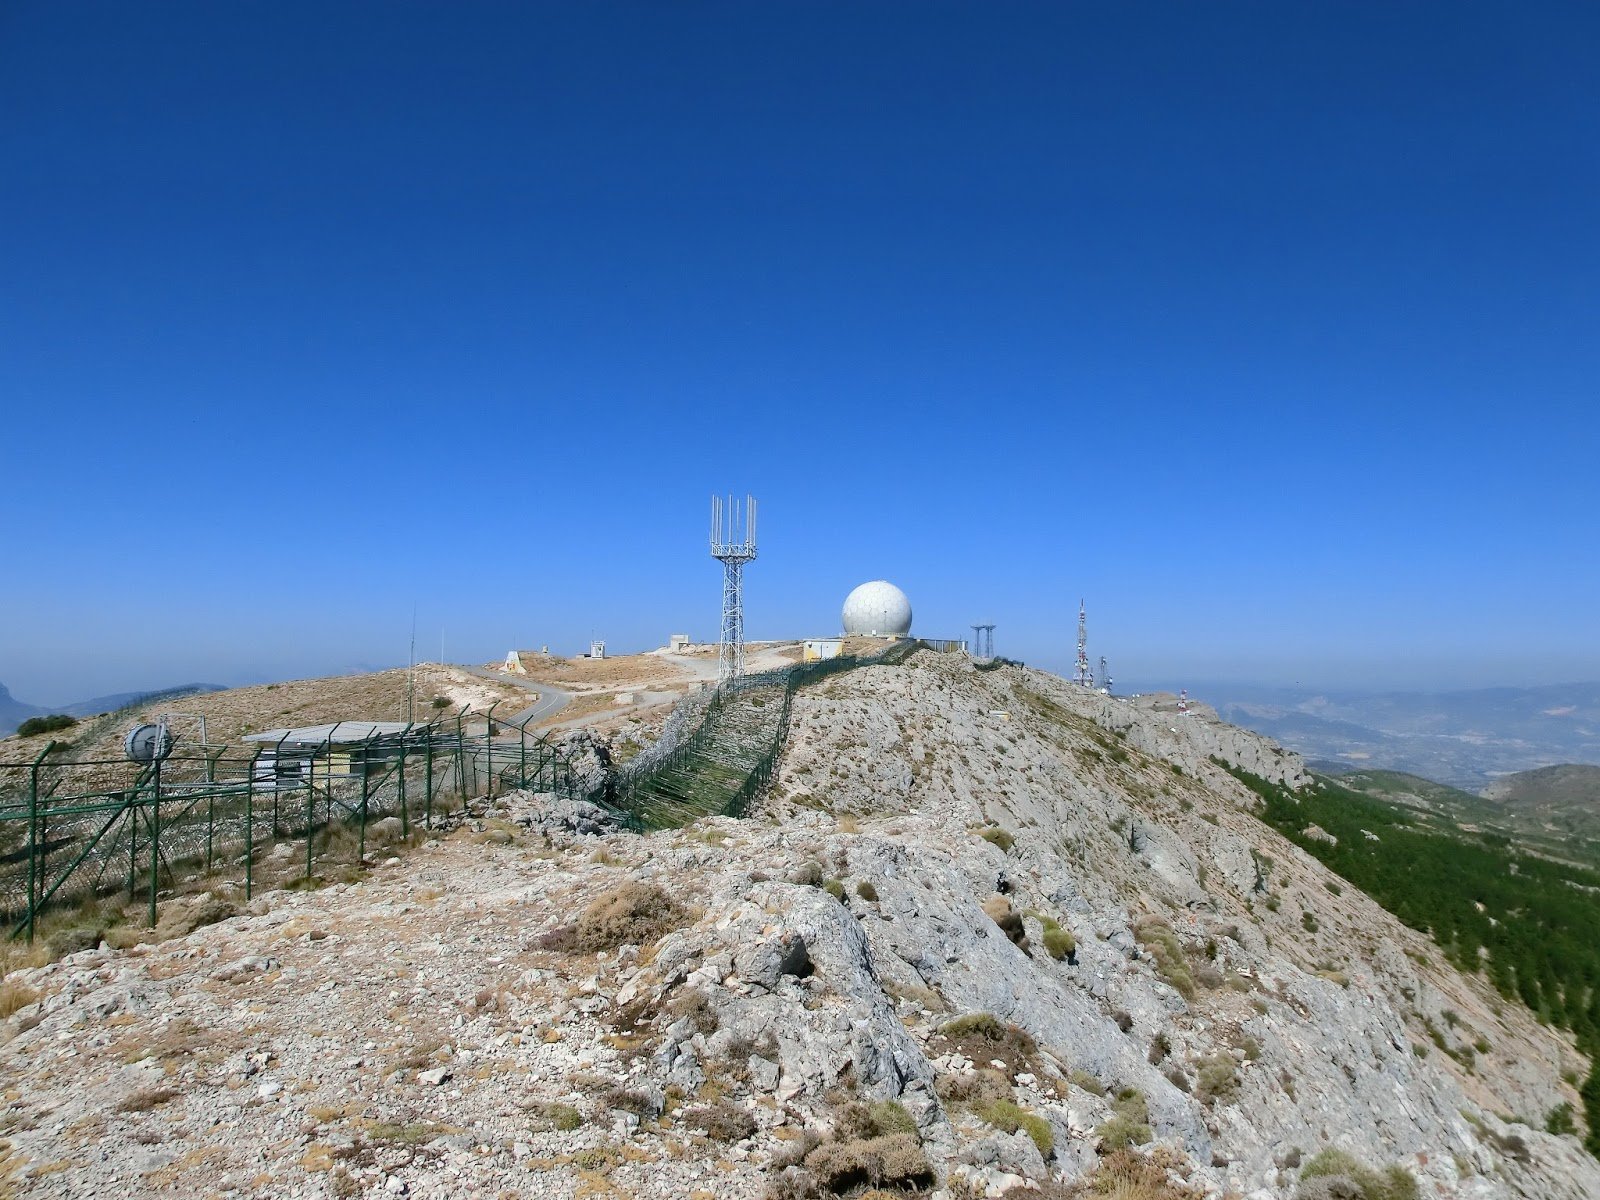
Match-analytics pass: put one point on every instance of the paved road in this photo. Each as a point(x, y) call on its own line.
point(551, 700)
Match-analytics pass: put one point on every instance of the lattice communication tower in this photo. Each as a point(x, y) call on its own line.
point(1085, 676)
point(1105, 676)
point(983, 641)
point(733, 543)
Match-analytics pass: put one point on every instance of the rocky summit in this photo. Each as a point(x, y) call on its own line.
point(987, 934)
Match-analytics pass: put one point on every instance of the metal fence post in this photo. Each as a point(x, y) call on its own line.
point(33, 824)
point(361, 846)
point(311, 795)
point(277, 759)
point(522, 750)
point(427, 784)
point(133, 840)
point(155, 840)
point(461, 748)
point(488, 748)
point(405, 824)
point(249, 828)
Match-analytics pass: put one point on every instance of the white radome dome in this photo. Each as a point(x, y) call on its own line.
point(877, 609)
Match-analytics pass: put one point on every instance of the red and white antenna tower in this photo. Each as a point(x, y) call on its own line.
point(1085, 676)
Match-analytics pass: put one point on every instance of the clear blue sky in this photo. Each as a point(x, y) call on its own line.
point(1269, 328)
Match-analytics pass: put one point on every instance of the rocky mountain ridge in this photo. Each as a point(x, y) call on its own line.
point(986, 930)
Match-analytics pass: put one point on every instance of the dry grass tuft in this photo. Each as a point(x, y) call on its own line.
point(722, 1121)
point(974, 1087)
point(15, 996)
point(999, 910)
point(1126, 1175)
point(885, 1162)
point(631, 913)
point(145, 1099)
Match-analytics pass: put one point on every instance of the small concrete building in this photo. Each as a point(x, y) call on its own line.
point(323, 753)
point(819, 649)
point(597, 649)
point(678, 643)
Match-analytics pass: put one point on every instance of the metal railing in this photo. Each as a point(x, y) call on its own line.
point(74, 829)
point(77, 829)
point(637, 792)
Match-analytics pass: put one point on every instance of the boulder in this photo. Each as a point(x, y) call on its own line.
point(766, 962)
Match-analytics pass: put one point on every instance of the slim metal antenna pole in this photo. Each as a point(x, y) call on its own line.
point(1085, 676)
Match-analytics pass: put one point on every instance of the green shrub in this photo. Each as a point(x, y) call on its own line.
point(999, 837)
point(834, 888)
point(1082, 1079)
point(441, 702)
point(1218, 1080)
point(1156, 936)
point(1058, 943)
point(890, 1117)
point(883, 1118)
point(1391, 1183)
point(807, 873)
point(1559, 1120)
point(984, 1025)
point(34, 726)
point(564, 1117)
point(1008, 1116)
point(1160, 1047)
point(866, 891)
point(1130, 1121)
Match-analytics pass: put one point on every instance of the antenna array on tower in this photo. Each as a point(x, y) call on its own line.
point(733, 543)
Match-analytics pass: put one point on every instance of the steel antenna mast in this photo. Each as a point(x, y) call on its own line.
point(1085, 677)
point(733, 544)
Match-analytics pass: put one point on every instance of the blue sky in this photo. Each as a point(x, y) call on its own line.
point(1269, 329)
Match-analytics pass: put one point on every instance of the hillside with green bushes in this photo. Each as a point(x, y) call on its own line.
point(1494, 905)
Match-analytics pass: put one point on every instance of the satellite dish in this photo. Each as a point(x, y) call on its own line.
point(148, 743)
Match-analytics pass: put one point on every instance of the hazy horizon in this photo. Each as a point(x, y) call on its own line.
point(1201, 686)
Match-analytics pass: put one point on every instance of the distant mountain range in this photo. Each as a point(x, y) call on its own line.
point(1554, 811)
point(1466, 739)
point(14, 712)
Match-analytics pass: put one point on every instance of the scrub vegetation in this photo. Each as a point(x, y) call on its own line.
point(1493, 907)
